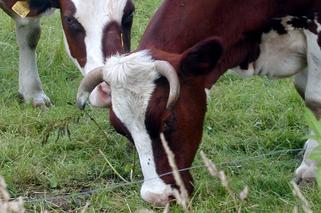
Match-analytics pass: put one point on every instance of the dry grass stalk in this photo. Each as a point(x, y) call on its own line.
point(112, 167)
point(304, 202)
point(85, 207)
point(166, 209)
point(224, 181)
point(144, 211)
point(296, 209)
point(182, 197)
point(218, 174)
point(97, 124)
point(7, 206)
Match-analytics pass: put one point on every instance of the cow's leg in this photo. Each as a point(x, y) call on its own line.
point(312, 97)
point(28, 34)
point(307, 169)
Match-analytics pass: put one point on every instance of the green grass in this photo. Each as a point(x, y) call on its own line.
point(45, 154)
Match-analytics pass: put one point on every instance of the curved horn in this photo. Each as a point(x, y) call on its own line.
point(167, 70)
point(87, 85)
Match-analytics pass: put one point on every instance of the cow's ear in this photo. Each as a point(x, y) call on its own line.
point(42, 5)
point(202, 58)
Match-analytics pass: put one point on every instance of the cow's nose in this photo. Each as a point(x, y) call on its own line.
point(156, 193)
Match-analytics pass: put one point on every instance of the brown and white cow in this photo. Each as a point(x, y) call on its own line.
point(192, 43)
point(93, 30)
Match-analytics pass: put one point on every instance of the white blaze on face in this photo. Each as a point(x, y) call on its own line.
point(132, 82)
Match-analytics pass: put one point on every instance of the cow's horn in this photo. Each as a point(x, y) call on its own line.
point(167, 70)
point(87, 85)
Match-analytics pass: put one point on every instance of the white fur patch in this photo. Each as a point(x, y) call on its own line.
point(134, 68)
point(132, 83)
point(281, 55)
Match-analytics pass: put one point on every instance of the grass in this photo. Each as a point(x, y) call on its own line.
point(45, 154)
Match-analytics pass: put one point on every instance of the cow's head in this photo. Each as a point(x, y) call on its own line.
point(93, 31)
point(155, 92)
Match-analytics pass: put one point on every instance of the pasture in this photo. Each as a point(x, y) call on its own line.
point(61, 158)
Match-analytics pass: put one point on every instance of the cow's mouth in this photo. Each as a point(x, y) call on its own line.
point(101, 96)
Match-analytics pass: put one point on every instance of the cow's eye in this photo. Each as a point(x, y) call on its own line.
point(72, 23)
point(167, 127)
point(168, 124)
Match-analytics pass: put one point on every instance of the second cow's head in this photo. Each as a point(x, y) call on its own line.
point(93, 31)
point(156, 92)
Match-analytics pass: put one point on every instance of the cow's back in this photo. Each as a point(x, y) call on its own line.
point(180, 24)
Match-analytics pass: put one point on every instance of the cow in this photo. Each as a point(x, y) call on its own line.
point(93, 30)
point(160, 87)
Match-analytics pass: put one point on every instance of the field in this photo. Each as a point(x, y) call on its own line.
point(60, 159)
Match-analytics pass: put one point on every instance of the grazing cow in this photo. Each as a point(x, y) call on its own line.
point(187, 46)
point(93, 30)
